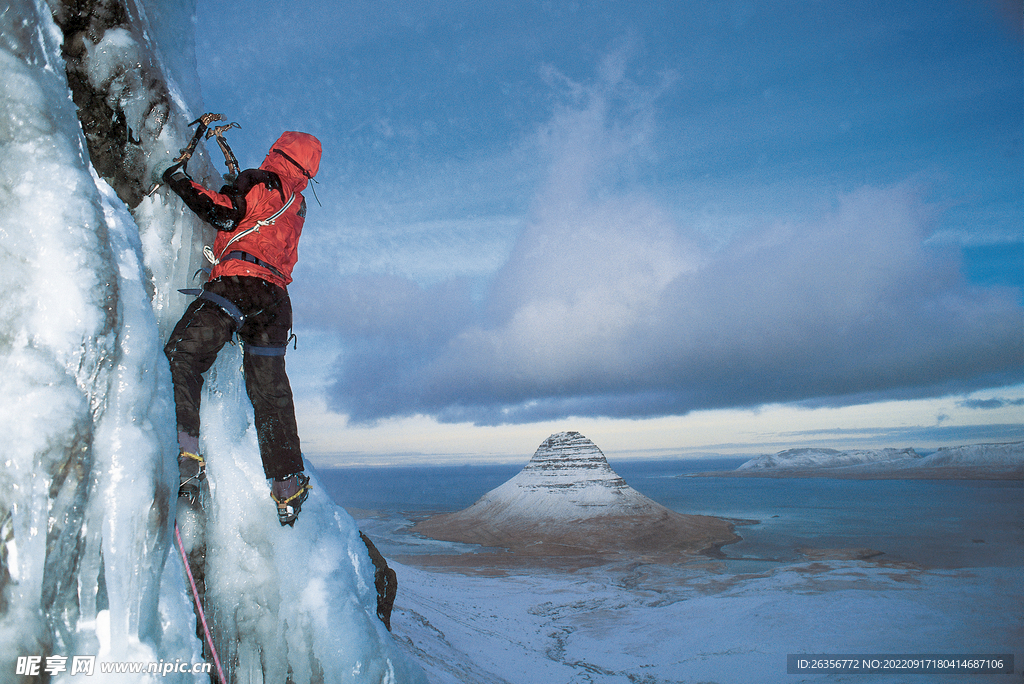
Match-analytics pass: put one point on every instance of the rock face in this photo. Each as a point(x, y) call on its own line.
point(568, 501)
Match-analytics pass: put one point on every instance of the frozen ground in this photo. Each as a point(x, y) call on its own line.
point(829, 567)
point(653, 624)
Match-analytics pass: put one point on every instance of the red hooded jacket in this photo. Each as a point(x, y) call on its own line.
point(259, 219)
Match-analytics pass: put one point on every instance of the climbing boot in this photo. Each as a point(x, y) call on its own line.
point(192, 469)
point(289, 493)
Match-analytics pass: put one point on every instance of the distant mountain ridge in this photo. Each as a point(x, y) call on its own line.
point(567, 501)
point(974, 461)
point(1009, 454)
point(826, 458)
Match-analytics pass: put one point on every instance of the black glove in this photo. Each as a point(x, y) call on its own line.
point(176, 172)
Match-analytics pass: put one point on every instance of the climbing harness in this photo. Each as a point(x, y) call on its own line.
point(271, 351)
point(245, 256)
point(239, 318)
point(199, 605)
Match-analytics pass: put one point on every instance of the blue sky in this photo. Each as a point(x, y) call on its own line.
point(673, 225)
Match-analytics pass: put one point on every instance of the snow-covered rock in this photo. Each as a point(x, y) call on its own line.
point(568, 500)
point(976, 461)
point(1008, 454)
point(827, 458)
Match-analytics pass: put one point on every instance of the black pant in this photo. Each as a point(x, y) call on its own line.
point(205, 328)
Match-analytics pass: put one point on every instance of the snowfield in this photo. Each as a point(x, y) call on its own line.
point(653, 624)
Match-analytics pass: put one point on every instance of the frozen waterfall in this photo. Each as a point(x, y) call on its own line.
point(90, 266)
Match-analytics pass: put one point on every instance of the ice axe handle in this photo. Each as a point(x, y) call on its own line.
point(229, 156)
point(203, 121)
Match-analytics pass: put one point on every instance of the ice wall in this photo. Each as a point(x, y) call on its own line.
point(89, 267)
point(85, 498)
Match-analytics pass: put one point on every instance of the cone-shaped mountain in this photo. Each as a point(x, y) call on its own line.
point(567, 500)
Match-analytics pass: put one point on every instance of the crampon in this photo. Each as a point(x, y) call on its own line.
point(289, 494)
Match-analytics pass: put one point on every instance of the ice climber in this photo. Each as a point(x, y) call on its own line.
point(258, 219)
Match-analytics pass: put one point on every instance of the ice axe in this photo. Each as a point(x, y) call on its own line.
point(204, 121)
point(186, 152)
point(229, 156)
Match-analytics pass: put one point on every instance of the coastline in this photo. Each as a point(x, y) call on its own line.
point(569, 557)
point(504, 563)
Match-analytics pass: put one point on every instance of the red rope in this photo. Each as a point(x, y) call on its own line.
point(199, 607)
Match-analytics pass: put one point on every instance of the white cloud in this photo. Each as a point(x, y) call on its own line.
point(607, 305)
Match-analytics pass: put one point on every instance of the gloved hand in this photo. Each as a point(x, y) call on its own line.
point(176, 172)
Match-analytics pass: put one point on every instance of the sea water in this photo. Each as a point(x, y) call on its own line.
point(934, 523)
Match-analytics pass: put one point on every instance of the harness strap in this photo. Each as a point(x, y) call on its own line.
point(266, 351)
point(245, 256)
point(226, 305)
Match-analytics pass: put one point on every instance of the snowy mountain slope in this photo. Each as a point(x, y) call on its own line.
point(826, 458)
point(1000, 461)
point(89, 266)
point(1008, 454)
point(568, 500)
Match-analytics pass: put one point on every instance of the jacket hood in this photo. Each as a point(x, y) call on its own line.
point(294, 154)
